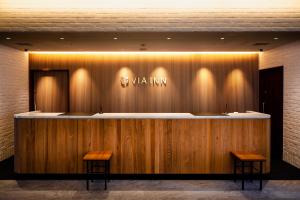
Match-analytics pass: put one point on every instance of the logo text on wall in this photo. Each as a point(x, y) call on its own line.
point(136, 81)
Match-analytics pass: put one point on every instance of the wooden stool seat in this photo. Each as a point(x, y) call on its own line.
point(98, 155)
point(251, 158)
point(92, 158)
point(248, 156)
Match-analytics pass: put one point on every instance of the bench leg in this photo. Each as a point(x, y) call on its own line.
point(108, 170)
point(243, 175)
point(234, 169)
point(87, 175)
point(251, 171)
point(105, 174)
point(260, 174)
point(92, 170)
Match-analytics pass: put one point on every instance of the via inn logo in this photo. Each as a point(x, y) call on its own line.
point(143, 81)
point(124, 81)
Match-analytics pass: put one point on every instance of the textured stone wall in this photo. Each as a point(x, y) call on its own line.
point(13, 95)
point(289, 57)
point(156, 20)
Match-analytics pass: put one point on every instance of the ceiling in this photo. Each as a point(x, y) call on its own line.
point(147, 41)
point(79, 4)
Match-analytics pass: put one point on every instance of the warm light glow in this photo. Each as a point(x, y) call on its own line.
point(236, 75)
point(81, 75)
point(46, 85)
point(205, 84)
point(46, 81)
point(236, 81)
point(143, 52)
point(205, 75)
point(205, 78)
point(117, 4)
point(124, 72)
point(159, 72)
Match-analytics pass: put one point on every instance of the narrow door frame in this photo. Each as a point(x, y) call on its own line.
point(31, 86)
point(281, 69)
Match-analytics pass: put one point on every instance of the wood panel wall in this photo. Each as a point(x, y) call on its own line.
point(50, 91)
point(195, 82)
point(139, 146)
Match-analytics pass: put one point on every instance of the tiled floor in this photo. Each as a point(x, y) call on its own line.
point(147, 189)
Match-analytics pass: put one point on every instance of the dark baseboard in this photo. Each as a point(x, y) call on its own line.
point(133, 176)
point(280, 171)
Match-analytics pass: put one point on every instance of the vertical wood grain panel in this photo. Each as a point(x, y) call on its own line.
point(33, 141)
point(139, 146)
point(51, 91)
point(62, 146)
point(195, 82)
point(22, 131)
point(112, 138)
point(80, 89)
point(40, 154)
point(90, 138)
point(135, 144)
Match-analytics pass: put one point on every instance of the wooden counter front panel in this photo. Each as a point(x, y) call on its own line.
point(139, 146)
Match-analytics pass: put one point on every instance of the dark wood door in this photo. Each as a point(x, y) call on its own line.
point(50, 91)
point(271, 102)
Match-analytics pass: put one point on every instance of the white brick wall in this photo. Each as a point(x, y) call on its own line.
point(13, 95)
point(289, 57)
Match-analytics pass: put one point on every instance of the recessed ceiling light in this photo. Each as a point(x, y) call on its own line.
point(275, 38)
point(61, 38)
point(222, 38)
point(115, 38)
point(168, 38)
point(8, 38)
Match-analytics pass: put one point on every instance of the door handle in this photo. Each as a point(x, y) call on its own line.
point(263, 107)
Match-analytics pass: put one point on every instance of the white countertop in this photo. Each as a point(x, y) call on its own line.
point(247, 115)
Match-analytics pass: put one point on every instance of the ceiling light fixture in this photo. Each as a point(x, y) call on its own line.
point(61, 38)
point(275, 38)
point(168, 38)
point(115, 38)
point(222, 38)
point(8, 38)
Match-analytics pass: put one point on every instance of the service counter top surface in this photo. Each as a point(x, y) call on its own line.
point(246, 115)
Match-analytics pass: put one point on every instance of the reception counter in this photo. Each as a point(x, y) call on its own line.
point(142, 143)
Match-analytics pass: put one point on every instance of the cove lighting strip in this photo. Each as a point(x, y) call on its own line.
point(140, 52)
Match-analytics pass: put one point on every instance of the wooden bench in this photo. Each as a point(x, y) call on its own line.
point(251, 158)
point(94, 157)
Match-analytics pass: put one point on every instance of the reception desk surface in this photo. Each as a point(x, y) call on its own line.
point(247, 115)
point(142, 143)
